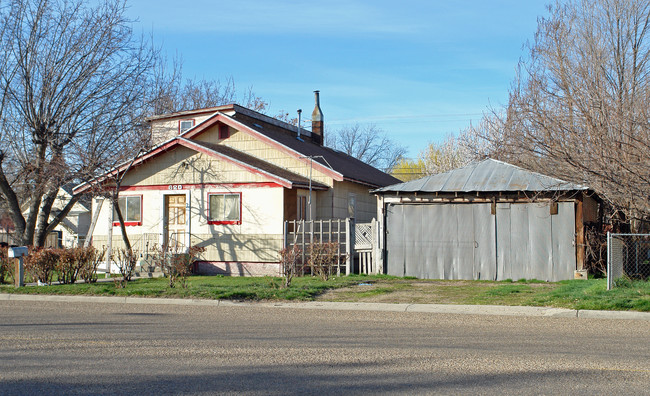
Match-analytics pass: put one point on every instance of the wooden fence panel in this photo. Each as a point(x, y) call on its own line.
point(354, 241)
point(303, 233)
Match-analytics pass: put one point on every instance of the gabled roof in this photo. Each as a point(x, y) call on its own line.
point(255, 165)
point(349, 167)
point(283, 136)
point(185, 113)
point(279, 175)
point(84, 202)
point(64, 194)
point(485, 176)
point(280, 135)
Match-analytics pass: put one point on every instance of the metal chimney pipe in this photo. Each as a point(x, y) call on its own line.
point(299, 123)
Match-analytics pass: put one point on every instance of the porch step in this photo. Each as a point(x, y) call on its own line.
point(146, 273)
point(156, 274)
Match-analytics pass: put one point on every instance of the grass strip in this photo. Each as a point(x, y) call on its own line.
point(574, 294)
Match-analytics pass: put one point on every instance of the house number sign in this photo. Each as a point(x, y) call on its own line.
point(175, 187)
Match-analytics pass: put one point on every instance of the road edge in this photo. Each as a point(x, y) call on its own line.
point(350, 306)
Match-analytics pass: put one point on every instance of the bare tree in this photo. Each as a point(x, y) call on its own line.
point(367, 143)
point(438, 157)
point(74, 82)
point(578, 108)
point(171, 92)
point(485, 139)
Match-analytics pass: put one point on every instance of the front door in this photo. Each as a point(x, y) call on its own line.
point(175, 221)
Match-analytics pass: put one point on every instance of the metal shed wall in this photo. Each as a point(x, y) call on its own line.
point(533, 244)
point(466, 241)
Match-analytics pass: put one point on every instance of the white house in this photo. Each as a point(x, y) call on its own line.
point(227, 178)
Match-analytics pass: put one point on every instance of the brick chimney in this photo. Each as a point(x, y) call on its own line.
point(317, 122)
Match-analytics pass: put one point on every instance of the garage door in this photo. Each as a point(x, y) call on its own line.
point(466, 241)
point(451, 241)
point(533, 244)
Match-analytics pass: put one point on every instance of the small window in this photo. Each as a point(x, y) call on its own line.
point(302, 207)
point(352, 205)
point(184, 125)
point(224, 209)
point(131, 208)
point(224, 132)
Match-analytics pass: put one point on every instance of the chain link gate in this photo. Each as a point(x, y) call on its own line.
point(628, 257)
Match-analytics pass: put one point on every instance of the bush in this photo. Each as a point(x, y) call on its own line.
point(289, 262)
point(595, 251)
point(323, 259)
point(177, 265)
point(6, 267)
point(69, 264)
point(41, 263)
point(91, 259)
point(126, 261)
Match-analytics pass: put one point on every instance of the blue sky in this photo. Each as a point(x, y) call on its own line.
point(419, 70)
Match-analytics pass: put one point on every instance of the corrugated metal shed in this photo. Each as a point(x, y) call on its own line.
point(489, 176)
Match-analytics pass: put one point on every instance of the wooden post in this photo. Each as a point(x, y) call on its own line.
point(381, 234)
point(580, 235)
point(19, 274)
point(338, 248)
point(109, 252)
point(302, 247)
point(329, 230)
point(373, 246)
point(286, 235)
point(348, 247)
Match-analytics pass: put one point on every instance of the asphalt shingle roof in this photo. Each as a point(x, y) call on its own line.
point(348, 166)
point(258, 163)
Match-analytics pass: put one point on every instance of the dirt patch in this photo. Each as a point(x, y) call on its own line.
point(417, 291)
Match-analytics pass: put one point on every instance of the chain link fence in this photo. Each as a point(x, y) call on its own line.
point(628, 257)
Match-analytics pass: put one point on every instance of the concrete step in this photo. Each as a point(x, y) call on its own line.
point(148, 273)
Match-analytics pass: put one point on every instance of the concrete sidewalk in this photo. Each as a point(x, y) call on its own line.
point(350, 306)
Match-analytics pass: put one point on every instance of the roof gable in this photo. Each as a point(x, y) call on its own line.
point(251, 164)
point(253, 131)
point(275, 133)
point(348, 167)
point(335, 164)
point(190, 113)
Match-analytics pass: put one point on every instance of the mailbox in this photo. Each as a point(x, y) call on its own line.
point(19, 251)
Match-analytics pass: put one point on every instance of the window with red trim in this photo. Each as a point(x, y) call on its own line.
point(224, 208)
point(131, 208)
point(224, 132)
point(184, 125)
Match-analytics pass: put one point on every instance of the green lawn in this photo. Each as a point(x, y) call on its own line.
point(575, 294)
point(208, 287)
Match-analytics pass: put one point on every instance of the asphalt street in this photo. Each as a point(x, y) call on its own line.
point(91, 348)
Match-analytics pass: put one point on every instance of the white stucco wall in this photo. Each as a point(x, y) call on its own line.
point(261, 219)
